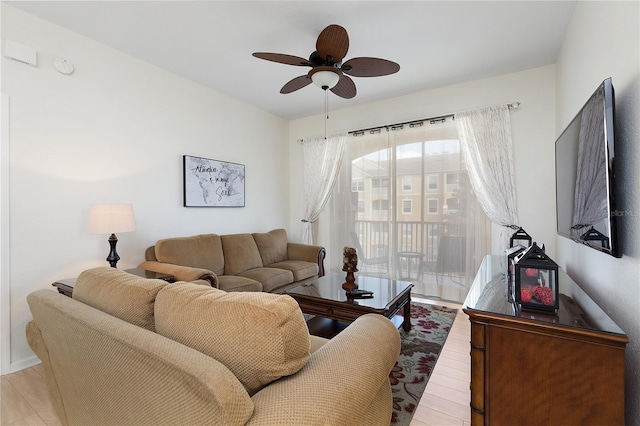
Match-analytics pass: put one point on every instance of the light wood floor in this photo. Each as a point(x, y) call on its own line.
point(445, 401)
point(25, 401)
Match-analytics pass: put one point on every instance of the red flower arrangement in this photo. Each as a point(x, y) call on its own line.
point(540, 293)
point(544, 295)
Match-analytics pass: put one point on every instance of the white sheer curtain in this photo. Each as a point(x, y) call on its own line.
point(322, 159)
point(485, 138)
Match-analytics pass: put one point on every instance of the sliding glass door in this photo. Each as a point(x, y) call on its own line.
point(404, 201)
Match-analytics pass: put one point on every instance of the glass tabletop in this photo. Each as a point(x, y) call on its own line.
point(489, 293)
point(329, 287)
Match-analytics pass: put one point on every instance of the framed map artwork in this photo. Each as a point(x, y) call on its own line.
point(212, 183)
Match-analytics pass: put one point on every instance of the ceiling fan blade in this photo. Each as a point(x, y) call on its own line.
point(369, 67)
point(345, 88)
point(333, 43)
point(296, 84)
point(281, 58)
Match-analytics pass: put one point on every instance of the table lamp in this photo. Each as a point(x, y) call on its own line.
point(109, 219)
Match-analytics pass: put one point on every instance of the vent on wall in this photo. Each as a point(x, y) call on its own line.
point(20, 52)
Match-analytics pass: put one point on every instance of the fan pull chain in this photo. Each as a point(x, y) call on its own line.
point(326, 112)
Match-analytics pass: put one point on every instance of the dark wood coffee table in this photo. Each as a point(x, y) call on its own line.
point(326, 299)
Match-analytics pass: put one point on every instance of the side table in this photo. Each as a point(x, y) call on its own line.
point(65, 286)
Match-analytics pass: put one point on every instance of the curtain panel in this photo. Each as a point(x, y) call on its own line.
point(485, 139)
point(322, 160)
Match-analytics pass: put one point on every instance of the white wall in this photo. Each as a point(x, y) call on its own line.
point(115, 131)
point(533, 130)
point(603, 40)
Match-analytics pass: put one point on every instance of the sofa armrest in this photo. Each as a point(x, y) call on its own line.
point(315, 254)
point(343, 382)
point(181, 273)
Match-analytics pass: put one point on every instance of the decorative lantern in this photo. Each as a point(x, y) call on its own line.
point(536, 280)
point(520, 237)
point(511, 254)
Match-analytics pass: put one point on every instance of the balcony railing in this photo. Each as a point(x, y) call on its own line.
point(431, 239)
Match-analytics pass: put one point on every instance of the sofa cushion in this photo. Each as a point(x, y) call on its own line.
point(240, 253)
point(272, 246)
point(238, 283)
point(260, 337)
point(119, 293)
point(301, 269)
point(271, 278)
point(198, 251)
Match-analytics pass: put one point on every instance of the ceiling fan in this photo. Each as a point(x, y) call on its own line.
point(327, 69)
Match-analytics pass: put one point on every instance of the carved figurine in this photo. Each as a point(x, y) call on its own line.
point(350, 260)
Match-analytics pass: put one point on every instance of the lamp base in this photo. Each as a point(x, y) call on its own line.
point(113, 254)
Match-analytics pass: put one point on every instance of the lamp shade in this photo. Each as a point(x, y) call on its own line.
point(111, 218)
point(325, 77)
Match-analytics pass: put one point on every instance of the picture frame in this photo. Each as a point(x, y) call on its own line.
point(212, 183)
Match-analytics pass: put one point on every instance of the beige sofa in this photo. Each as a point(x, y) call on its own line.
point(238, 262)
point(133, 351)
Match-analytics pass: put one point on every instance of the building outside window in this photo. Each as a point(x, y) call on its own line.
point(453, 182)
point(407, 206)
point(380, 185)
point(380, 208)
point(432, 206)
point(406, 183)
point(432, 182)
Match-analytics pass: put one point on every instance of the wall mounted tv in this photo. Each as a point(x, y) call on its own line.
point(586, 211)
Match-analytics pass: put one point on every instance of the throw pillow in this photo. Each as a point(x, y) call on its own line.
point(272, 246)
point(259, 336)
point(119, 293)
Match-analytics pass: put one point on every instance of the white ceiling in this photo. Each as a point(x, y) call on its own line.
point(436, 43)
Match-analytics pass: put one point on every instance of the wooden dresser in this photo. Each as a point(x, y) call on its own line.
point(541, 369)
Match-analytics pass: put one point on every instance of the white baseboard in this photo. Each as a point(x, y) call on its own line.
point(25, 363)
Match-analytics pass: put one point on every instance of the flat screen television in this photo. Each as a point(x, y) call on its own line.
point(585, 175)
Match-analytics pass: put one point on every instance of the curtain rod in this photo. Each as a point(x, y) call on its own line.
point(431, 120)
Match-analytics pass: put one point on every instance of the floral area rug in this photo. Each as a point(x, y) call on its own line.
point(430, 325)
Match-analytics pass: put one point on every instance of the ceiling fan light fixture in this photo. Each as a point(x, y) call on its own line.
point(325, 77)
point(327, 68)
